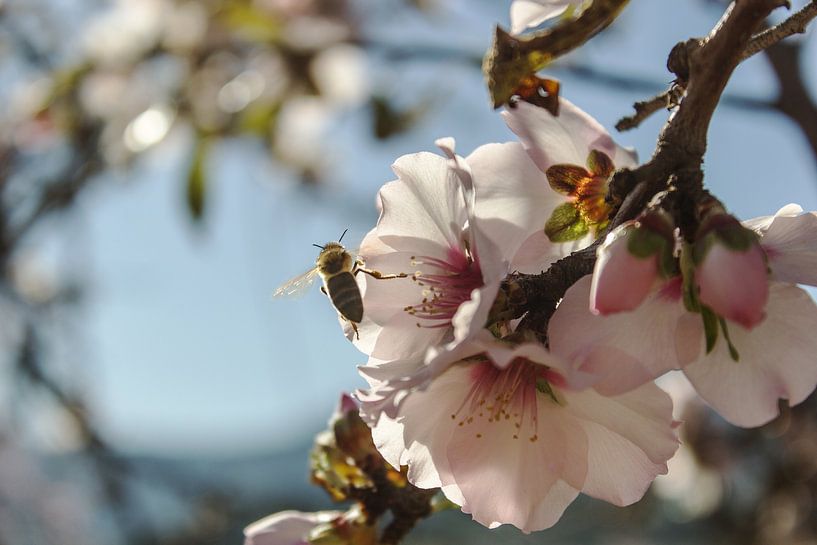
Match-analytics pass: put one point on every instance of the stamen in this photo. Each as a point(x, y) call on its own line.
point(446, 288)
point(513, 395)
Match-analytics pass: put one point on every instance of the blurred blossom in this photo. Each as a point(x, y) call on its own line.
point(32, 279)
point(300, 131)
point(271, 66)
point(185, 25)
point(27, 97)
point(341, 76)
point(148, 128)
point(125, 31)
point(313, 33)
point(288, 7)
point(240, 91)
point(692, 490)
point(101, 93)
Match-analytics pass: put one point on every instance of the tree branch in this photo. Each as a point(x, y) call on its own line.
point(703, 67)
point(796, 24)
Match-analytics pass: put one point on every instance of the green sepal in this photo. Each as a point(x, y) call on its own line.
point(566, 224)
point(710, 327)
point(737, 237)
point(733, 352)
point(564, 178)
point(600, 163)
point(644, 243)
point(543, 386)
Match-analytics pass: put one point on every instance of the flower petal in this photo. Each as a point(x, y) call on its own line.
point(532, 13)
point(790, 241)
point(630, 439)
point(568, 138)
point(425, 208)
point(513, 199)
point(776, 361)
point(286, 527)
point(627, 349)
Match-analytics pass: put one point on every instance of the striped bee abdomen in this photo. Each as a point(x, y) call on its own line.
point(345, 295)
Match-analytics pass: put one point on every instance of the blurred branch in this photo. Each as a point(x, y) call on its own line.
point(794, 100)
point(592, 74)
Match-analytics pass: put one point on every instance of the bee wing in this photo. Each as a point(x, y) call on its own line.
point(297, 286)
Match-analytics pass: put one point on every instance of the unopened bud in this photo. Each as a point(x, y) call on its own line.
point(730, 270)
point(632, 259)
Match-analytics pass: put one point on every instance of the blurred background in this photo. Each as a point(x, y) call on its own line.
point(165, 164)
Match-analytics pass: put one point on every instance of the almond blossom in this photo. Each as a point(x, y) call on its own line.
point(576, 158)
point(424, 230)
point(508, 435)
point(742, 373)
point(532, 13)
point(452, 224)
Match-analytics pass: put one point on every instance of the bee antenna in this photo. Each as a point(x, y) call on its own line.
point(344, 232)
point(318, 246)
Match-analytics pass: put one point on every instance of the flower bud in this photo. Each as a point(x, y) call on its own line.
point(633, 258)
point(731, 271)
point(352, 435)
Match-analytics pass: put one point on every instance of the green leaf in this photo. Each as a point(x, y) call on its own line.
point(733, 352)
point(710, 327)
point(566, 224)
point(196, 181)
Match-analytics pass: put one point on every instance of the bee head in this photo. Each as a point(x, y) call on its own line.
point(334, 258)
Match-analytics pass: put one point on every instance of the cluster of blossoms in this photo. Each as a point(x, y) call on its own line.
point(512, 424)
point(512, 421)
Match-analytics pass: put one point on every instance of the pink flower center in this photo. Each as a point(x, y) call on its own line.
point(446, 285)
point(507, 397)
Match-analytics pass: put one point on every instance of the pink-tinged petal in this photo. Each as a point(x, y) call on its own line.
point(513, 198)
point(532, 13)
point(627, 349)
point(418, 437)
point(777, 361)
point(286, 527)
point(789, 239)
point(630, 438)
point(473, 314)
point(568, 138)
point(493, 470)
point(425, 208)
point(734, 284)
point(476, 459)
point(621, 280)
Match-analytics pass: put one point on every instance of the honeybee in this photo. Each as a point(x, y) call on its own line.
point(337, 268)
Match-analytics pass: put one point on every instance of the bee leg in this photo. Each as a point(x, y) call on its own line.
point(354, 328)
point(379, 275)
point(323, 290)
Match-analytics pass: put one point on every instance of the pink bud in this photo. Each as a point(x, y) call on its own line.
point(734, 283)
point(625, 272)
